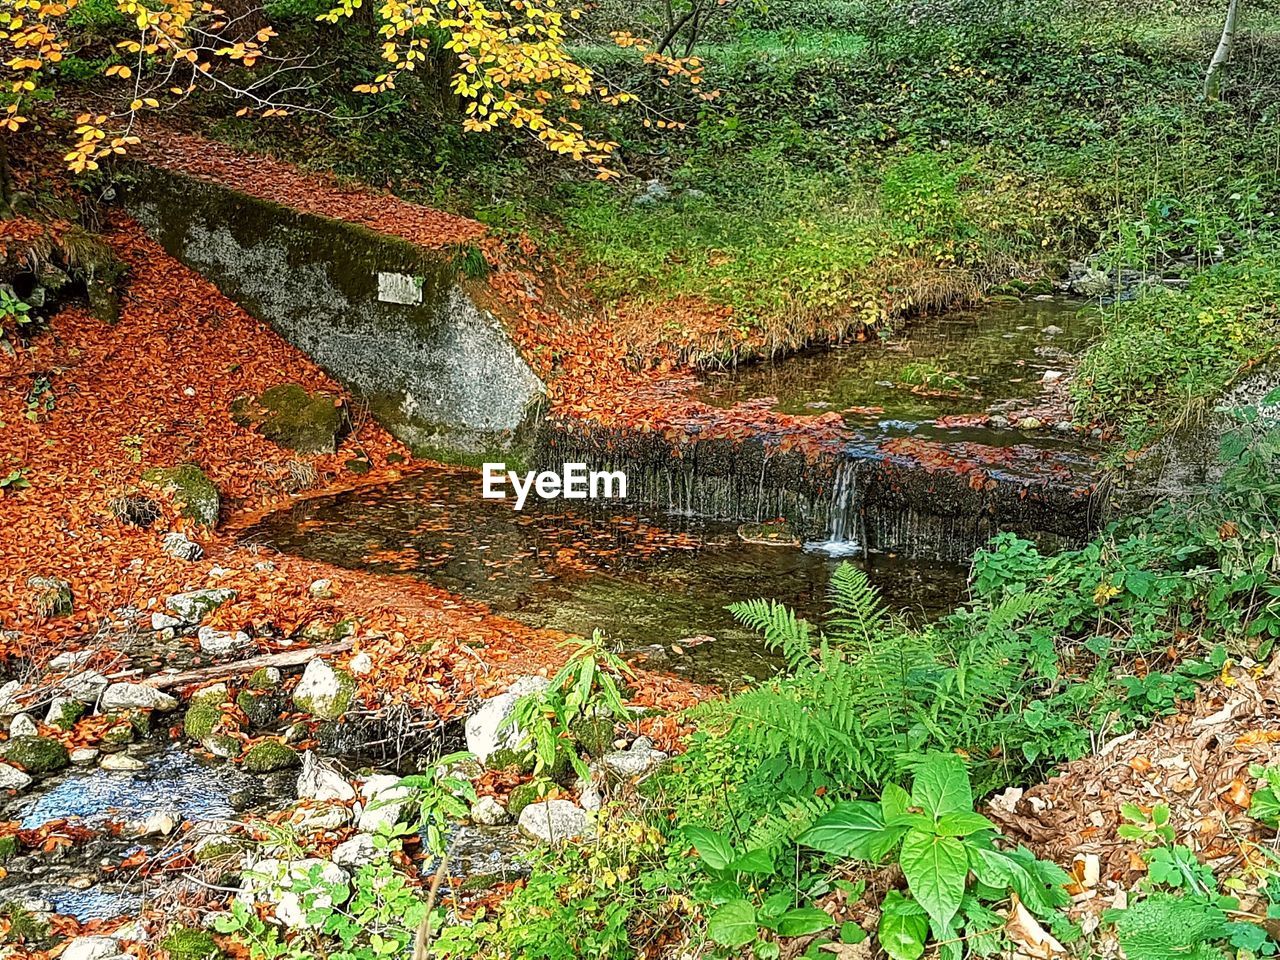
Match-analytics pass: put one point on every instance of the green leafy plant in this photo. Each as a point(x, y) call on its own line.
point(948, 855)
point(588, 685)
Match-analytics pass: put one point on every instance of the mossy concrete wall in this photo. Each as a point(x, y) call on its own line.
point(393, 322)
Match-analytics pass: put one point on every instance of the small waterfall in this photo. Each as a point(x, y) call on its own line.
point(844, 536)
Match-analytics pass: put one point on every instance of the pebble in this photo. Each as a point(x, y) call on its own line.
point(121, 762)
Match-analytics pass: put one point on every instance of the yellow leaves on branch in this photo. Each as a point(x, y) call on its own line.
point(165, 36)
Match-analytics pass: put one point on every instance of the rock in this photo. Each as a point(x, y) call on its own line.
point(177, 545)
point(86, 686)
point(9, 704)
point(323, 691)
point(289, 416)
point(281, 784)
point(594, 734)
point(320, 781)
point(488, 812)
point(321, 589)
point(11, 778)
point(136, 696)
point(50, 596)
point(356, 852)
point(195, 605)
point(23, 726)
point(64, 712)
point(218, 848)
point(1090, 282)
point(633, 764)
point(265, 678)
point(998, 423)
point(134, 509)
point(91, 948)
point(121, 763)
point(361, 664)
point(204, 712)
point(222, 745)
point(220, 643)
point(285, 882)
point(590, 797)
point(321, 818)
point(385, 798)
point(194, 492)
point(262, 707)
point(554, 821)
point(1030, 423)
point(36, 755)
point(484, 728)
point(83, 756)
point(655, 191)
point(162, 621)
point(1052, 330)
point(1064, 427)
point(71, 659)
point(1051, 376)
point(269, 755)
point(159, 824)
point(264, 566)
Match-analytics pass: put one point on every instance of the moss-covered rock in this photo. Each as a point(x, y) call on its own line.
point(65, 712)
point(191, 489)
point(185, 943)
point(594, 734)
point(118, 735)
point(204, 713)
point(269, 755)
point(520, 761)
point(222, 745)
point(50, 596)
point(262, 707)
point(264, 678)
point(521, 796)
point(36, 755)
point(8, 847)
point(324, 691)
point(289, 416)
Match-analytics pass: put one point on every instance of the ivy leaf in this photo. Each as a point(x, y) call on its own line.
point(936, 869)
point(903, 927)
point(714, 849)
point(942, 785)
point(803, 921)
point(853, 829)
point(733, 925)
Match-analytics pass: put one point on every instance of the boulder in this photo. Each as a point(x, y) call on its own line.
point(11, 778)
point(92, 948)
point(285, 882)
point(289, 416)
point(195, 605)
point(324, 691)
point(86, 686)
point(488, 812)
point(221, 643)
point(320, 781)
point(356, 852)
point(485, 732)
point(23, 726)
point(36, 755)
point(194, 492)
point(385, 799)
point(267, 756)
point(554, 821)
point(136, 696)
point(50, 596)
point(177, 545)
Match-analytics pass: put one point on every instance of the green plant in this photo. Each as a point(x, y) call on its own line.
point(587, 685)
point(439, 795)
point(15, 480)
point(947, 853)
point(15, 315)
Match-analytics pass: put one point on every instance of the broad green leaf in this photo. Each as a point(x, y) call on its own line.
point(714, 849)
point(962, 824)
point(803, 921)
point(894, 802)
point(757, 862)
point(903, 927)
point(997, 869)
point(942, 785)
point(852, 829)
point(936, 869)
point(733, 925)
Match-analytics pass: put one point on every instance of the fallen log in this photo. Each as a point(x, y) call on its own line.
point(286, 658)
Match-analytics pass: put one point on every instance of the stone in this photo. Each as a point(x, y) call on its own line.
point(324, 691)
point(121, 763)
point(9, 704)
point(267, 756)
point(361, 664)
point(385, 798)
point(321, 589)
point(193, 606)
point(71, 659)
point(1030, 423)
point(1051, 376)
point(191, 489)
point(159, 824)
point(1090, 282)
point(204, 712)
point(221, 643)
point(590, 797)
point(50, 596)
point(488, 812)
point(633, 764)
point(554, 821)
point(222, 745)
point(86, 686)
point(84, 756)
point(92, 948)
point(136, 696)
point(284, 883)
point(177, 545)
point(23, 726)
point(323, 817)
point(162, 621)
point(290, 417)
point(265, 678)
point(320, 781)
point(484, 727)
point(262, 707)
point(36, 755)
point(64, 712)
point(11, 778)
point(356, 852)
point(1052, 330)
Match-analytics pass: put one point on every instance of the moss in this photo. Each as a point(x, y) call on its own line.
point(222, 745)
point(67, 713)
point(328, 706)
point(521, 796)
point(8, 847)
point(289, 416)
point(203, 715)
point(264, 678)
point(36, 755)
point(140, 720)
point(119, 735)
point(194, 491)
point(185, 943)
point(520, 761)
point(216, 850)
point(594, 734)
point(261, 707)
point(24, 926)
point(269, 755)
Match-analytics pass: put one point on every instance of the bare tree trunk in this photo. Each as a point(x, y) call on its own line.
point(1213, 79)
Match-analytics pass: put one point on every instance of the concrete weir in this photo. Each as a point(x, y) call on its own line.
point(393, 322)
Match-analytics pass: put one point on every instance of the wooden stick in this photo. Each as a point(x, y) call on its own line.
point(288, 658)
